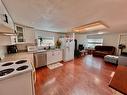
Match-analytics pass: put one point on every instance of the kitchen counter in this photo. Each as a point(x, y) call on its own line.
point(24, 55)
point(119, 81)
point(18, 56)
point(29, 56)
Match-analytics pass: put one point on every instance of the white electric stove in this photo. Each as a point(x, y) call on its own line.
point(16, 78)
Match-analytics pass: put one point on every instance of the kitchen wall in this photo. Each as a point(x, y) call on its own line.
point(30, 40)
point(81, 38)
point(4, 40)
point(2, 51)
point(43, 33)
point(110, 39)
point(23, 46)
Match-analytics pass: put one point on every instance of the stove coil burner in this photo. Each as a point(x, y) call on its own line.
point(6, 71)
point(8, 64)
point(21, 62)
point(22, 68)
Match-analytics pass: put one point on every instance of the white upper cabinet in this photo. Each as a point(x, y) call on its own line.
point(6, 22)
point(25, 34)
point(20, 33)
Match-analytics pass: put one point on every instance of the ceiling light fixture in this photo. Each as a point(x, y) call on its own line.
point(98, 25)
point(100, 32)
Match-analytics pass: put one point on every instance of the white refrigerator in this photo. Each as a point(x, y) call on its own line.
point(67, 44)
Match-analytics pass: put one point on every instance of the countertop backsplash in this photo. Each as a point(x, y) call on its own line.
point(23, 47)
point(3, 52)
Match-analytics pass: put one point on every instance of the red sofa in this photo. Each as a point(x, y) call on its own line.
point(104, 50)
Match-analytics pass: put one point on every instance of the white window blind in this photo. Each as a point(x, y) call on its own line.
point(94, 40)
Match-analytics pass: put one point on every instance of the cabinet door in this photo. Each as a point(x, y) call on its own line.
point(19, 31)
point(49, 57)
point(58, 55)
point(13, 40)
point(54, 56)
point(25, 34)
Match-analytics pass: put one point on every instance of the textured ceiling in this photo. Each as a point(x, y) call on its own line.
point(63, 15)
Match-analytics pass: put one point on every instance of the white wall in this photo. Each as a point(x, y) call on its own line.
point(111, 39)
point(2, 51)
point(29, 35)
point(4, 40)
point(81, 38)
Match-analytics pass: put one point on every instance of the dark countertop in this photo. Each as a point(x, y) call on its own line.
point(119, 81)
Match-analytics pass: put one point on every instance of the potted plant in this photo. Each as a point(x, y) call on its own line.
point(58, 44)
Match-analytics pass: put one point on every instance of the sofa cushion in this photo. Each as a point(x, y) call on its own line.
point(111, 59)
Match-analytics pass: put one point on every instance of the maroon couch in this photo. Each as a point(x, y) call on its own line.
point(104, 50)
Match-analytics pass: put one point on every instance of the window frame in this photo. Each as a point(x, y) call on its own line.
point(94, 43)
point(44, 44)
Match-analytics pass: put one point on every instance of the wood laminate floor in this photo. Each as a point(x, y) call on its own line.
point(84, 76)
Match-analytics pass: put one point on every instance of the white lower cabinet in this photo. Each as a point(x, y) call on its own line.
point(58, 55)
point(49, 57)
point(54, 56)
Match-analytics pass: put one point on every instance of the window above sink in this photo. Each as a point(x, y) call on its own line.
point(45, 41)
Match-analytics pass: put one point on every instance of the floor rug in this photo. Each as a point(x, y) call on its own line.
point(55, 65)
